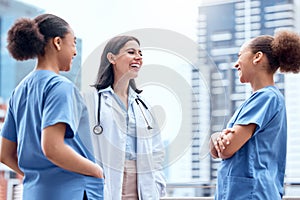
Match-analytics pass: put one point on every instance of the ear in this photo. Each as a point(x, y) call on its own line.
point(111, 57)
point(257, 57)
point(57, 43)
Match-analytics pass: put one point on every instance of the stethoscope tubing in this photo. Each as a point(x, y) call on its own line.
point(98, 129)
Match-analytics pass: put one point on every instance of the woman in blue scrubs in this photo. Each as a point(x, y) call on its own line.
point(253, 147)
point(46, 117)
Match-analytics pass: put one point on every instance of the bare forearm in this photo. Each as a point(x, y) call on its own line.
point(61, 154)
point(219, 141)
point(66, 158)
point(13, 164)
point(8, 155)
point(230, 140)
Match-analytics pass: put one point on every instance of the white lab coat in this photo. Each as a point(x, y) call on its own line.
point(109, 148)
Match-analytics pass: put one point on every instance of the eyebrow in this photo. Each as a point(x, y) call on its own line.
point(131, 48)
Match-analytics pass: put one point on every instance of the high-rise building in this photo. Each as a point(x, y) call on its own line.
point(223, 26)
point(9, 72)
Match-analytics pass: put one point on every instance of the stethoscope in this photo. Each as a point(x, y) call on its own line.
point(98, 129)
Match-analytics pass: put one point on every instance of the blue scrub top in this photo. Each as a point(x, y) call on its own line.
point(256, 171)
point(43, 99)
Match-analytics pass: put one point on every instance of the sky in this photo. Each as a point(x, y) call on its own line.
point(95, 21)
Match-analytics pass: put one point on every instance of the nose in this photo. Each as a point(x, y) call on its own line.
point(75, 52)
point(236, 65)
point(138, 56)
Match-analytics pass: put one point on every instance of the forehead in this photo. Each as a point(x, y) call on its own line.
point(132, 44)
point(70, 33)
point(245, 46)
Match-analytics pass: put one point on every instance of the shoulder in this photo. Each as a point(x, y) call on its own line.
point(268, 98)
point(267, 94)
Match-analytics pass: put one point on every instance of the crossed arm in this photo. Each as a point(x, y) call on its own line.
point(226, 143)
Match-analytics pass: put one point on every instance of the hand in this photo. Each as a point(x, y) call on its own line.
point(99, 171)
point(223, 140)
point(220, 141)
point(213, 145)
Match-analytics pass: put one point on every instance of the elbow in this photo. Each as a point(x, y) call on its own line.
point(2, 159)
point(5, 157)
point(226, 154)
point(214, 154)
point(49, 152)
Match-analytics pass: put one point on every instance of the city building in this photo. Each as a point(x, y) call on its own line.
point(223, 27)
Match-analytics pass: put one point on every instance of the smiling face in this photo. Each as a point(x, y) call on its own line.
point(127, 63)
point(67, 52)
point(244, 64)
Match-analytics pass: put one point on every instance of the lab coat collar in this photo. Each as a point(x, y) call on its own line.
point(131, 93)
point(108, 89)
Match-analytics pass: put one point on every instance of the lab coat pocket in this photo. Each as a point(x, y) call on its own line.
point(232, 186)
point(160, 189)
point(160, 184)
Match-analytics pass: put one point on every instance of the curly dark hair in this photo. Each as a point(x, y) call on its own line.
point(27, 37)
point(282, 50)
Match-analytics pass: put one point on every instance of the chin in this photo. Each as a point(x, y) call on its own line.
point(133, 74)
point(66, 69)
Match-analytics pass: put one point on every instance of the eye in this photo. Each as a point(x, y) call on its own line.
point(236, 56)
point(131, 52)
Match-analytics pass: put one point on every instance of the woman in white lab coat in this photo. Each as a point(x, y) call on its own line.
point(126, 139)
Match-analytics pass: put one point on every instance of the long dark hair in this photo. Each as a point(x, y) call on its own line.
point(105, 76)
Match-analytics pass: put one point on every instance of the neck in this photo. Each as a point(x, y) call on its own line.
point(262, 81)
point(121, 88)
point(44, 64)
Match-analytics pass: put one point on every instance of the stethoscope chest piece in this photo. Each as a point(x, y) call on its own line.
point(98, 129)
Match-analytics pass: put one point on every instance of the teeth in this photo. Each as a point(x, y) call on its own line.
point(135, 65)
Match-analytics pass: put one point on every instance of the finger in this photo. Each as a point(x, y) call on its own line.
point(220, 143)
point(225, 140)
point(216, 146)
point(226, 131)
